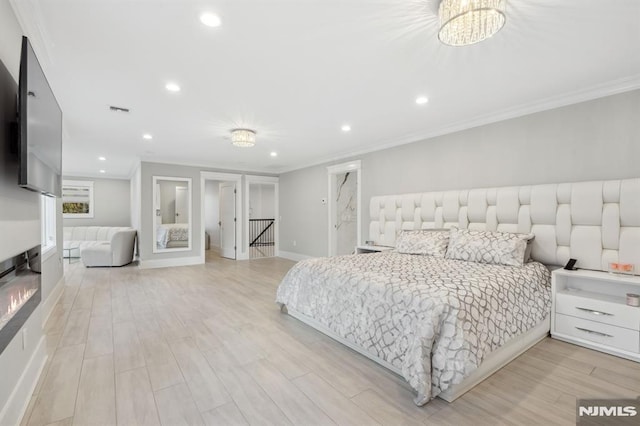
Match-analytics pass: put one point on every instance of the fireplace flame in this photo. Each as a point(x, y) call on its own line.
point(17, 301)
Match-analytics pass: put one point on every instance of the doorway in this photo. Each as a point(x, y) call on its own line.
point(262, 219)
point(221, 207)
point(344, 182)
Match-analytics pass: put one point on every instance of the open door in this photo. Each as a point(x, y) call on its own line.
point(228, 220)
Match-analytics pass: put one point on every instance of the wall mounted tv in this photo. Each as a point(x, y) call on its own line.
point(40, 128)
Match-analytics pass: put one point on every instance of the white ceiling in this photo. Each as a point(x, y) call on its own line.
point(297, 70)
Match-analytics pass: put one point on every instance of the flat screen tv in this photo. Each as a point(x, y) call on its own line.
point(40, 128)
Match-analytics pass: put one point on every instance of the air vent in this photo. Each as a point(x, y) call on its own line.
point(118, 109)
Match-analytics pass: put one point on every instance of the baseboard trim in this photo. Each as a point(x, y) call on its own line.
point(167, 263)
point(293, 256)
point(51, 302)
point(18, 401)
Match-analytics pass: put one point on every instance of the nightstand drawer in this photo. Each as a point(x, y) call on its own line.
point(617, 337)
point(603, 311)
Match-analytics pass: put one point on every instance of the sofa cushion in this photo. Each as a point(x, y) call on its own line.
point(81, 246)
point(97, 255)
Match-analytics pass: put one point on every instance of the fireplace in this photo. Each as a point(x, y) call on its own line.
point(20, 292)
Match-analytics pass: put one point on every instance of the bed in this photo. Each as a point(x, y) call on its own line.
point(172, 235)
point(434, 320)
point(445, 324)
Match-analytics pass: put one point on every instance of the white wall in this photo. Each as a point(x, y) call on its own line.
point(598, 139)
point(146, 235)
point(212, 211)
point(262, 198)
point(20, 230)
point(112, 203)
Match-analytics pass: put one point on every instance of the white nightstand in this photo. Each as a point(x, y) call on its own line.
point(589, 309)
point(372, 249)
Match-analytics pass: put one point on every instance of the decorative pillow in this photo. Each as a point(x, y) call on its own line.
point(429, 242)
point(498, 248)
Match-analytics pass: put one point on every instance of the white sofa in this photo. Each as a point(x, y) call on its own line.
point(100, 245)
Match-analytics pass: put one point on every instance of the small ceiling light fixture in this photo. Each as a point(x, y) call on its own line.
point(421, 100)
point(172, 87)
point(147, 136)
point(210, 20)
point(243, 137)
point(102, 158)
point(103, 171)
point(274, 154)
point(465, 22)
point(346, 128)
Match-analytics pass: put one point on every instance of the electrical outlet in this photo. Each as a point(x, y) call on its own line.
point(294, 243)
point(24, 338)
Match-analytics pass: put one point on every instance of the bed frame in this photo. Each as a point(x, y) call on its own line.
point(595, 222)
point(495, 361)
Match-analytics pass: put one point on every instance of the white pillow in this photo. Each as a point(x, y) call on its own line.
point(498, 248)
point(426, 242)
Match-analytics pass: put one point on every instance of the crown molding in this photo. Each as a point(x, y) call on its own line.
point(614, 87)
point(213, 167)
point(134, 168)
point(66, 176)
point(31, 20)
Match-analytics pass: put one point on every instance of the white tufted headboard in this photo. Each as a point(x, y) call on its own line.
point(594, 222)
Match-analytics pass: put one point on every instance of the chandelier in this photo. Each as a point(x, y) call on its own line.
point(465, 22)
point(243, 137)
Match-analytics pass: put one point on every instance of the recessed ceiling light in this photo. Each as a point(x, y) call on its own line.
point(102, 159)
point(147, 136)
point(172, 87)
point(210, 20)
point(421, 100)
point(103, 171)
point(346, 128)
point(274, 154)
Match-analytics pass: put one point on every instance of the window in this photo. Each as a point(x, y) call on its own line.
point(48, 213)
point(77, 199)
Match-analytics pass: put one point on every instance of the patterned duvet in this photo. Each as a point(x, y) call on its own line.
point(432, 318)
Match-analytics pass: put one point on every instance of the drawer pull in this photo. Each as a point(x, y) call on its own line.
point(597, 333)
point(591, 311)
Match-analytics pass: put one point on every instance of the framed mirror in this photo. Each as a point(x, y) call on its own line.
point(172, 214)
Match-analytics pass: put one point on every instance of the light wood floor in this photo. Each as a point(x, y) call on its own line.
point(208, 345)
